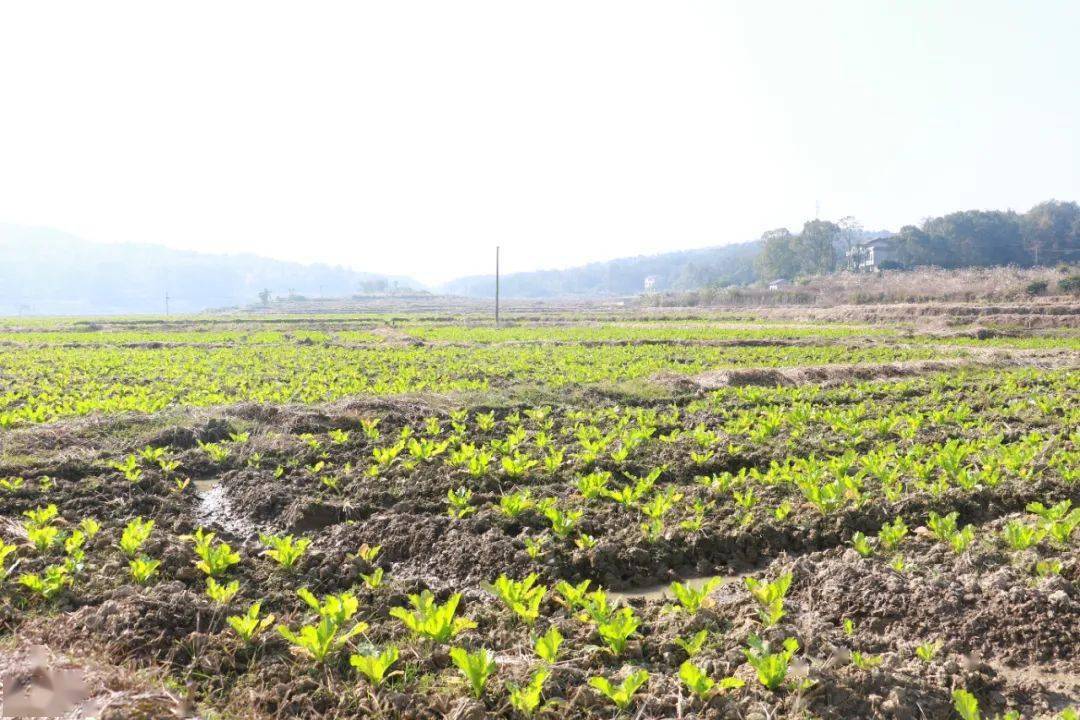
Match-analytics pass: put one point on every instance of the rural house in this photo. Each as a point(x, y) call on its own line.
point(873, 255)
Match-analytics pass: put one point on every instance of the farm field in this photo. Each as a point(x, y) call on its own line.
point(581, 514)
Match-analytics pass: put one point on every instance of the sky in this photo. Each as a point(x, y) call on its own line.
point(413, 137)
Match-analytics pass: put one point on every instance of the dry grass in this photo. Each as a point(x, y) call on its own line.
point(924, 285)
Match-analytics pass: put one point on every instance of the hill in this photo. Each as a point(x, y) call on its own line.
point(47, 272)
point(682, 270)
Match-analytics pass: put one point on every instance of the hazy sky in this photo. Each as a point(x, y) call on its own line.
point(412, 137)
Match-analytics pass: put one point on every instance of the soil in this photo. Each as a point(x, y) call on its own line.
point(1005, 635)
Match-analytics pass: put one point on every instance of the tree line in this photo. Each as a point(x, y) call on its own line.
point(1047, 234)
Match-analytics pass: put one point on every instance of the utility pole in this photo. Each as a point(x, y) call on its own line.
point(496, 286)
point(166, 303)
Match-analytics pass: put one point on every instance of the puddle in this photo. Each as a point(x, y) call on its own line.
point(663, 591)
point(215, 508)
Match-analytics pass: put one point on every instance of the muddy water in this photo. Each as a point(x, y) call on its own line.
point(663, 591)
point(215, 508)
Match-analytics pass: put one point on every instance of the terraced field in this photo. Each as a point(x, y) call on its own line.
point(676, 517)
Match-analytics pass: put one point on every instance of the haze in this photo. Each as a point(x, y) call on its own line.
point(413, 137)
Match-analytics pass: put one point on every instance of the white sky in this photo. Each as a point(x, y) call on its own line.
point(412, 137)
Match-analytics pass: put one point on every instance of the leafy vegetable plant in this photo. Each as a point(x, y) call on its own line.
point(476, 667)
point(430, 620)
point(771, 667)
point(375, 665)
point(623, 693)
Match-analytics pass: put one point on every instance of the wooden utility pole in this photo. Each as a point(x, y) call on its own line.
point(496, 286)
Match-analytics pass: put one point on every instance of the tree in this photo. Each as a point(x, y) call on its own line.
point(1051, 232)
point(778, 258)
point(917, 247)
point(851, 232)
point(264, 297)
point(977, 237)
point(816, 247)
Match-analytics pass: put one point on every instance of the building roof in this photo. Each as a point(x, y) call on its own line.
point(878, 242)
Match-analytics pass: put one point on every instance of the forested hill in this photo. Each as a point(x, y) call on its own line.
point(47, 272)
point(682, 270)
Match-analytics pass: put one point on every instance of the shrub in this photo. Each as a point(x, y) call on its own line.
point(1070, 285)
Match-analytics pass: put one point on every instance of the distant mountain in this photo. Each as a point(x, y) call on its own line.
point(681, 270)
point(46, 272)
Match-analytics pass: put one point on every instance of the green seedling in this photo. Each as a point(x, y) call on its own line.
point(129, 468)
point(693, 644)
point(217, 452)
point(562, 522)
point(285, 549)
point(249, 625)
point(6, 551)
point(458, 503)
point(90, 526)
point(319, 640)
point(432, 621)
point(767, 593)
point(696, 680)
point(221, 594)
point(617, 628)
point(135, 534)
point(771, 667)
point(573, 596)
point(476, 667)
point(691, 600)
point(49, 584)
point(863, 661)
point(41, 516)
point(514, 504)
point(526, 698)
point(143, 569)
point(927, 651)
point(374, 579)
point(771, 614)
point(861, 543)
point(368, 553)
point(534, 546)
point(966, 705)
point(585, 541)
point(623, 693)
point(1021, 536)
point(374, 666)
point(522, 597)
point(42, 537)
point(547, 645)
point(214, 560)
